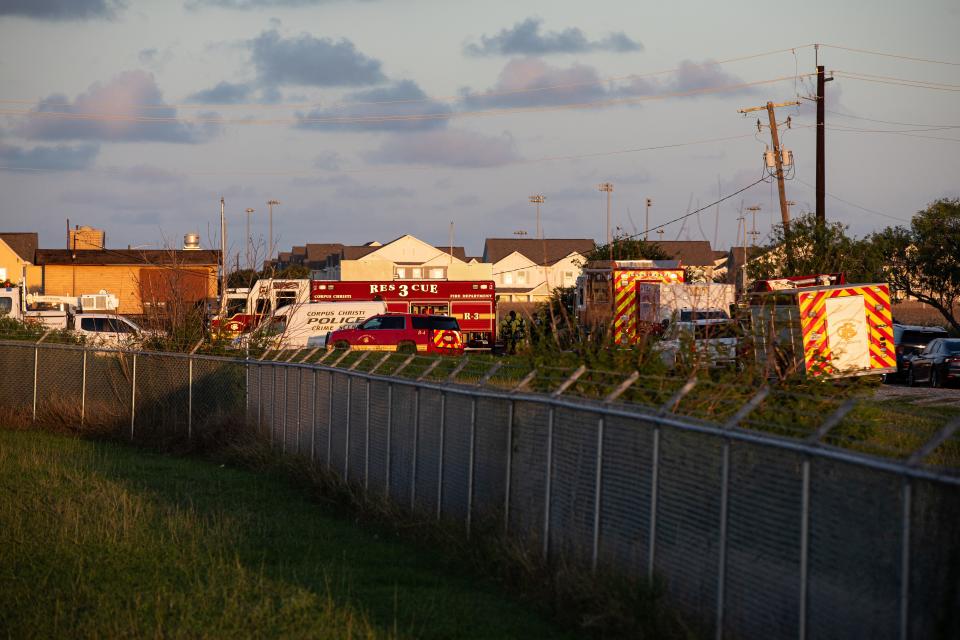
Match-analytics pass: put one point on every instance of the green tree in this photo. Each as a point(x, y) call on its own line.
point(628, 248)
point(294, 272)
point(808, 248)
point(242, 278)
point(924, 260)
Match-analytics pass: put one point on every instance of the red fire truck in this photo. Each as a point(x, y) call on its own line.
point(472, 303)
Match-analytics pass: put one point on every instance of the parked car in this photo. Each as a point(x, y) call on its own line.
point(107, 330)
point(938, 363)
point(711, 341)
point(406, 332)
point(908, 341)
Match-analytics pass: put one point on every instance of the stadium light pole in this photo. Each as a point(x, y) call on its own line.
point(538, 200)
point(270, 204)
point(249, 258)
point(608, 188)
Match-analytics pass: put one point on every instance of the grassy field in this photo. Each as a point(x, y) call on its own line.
point(108, 541)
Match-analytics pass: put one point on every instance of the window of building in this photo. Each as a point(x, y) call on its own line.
point(507, 278)
point(400, 272)
point(521, 277)
point(437, 273)
point(416, 273)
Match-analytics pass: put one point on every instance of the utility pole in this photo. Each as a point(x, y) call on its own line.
point(777, 158)
point(646, 226)
point(538, 200)
point(223, 262)
point(249, 258)
point(608, 188)
point(821, 152)
point(270, 204)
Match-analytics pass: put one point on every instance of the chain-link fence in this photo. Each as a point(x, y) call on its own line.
point(755, 533)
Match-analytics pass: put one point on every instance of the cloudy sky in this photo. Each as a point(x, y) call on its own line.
point(368, 119)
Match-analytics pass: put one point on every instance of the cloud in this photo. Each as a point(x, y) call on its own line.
point(148, 174)
point(327, 160)
point(525, 38)
point(400, 100)
point(527, 82)
point(110, 112)
point(253, 4)
point(310, 61)
point(222, 93)
point(58, 158)
point(692, 76)
point(453, 148)
point(63, 9)
point(366, 192)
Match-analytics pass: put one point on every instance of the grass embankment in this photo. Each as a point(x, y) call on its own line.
point(103, 540)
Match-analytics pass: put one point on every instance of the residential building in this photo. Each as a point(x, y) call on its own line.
point(527, 269)
point(701, 262)
point(405, 258)
point(16, 259)
point(142, 280)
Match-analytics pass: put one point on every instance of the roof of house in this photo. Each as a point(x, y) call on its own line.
point(24, 244)
point(299, 251)
point(554, 249)
point(355, 253)
point(139, 257)
point(318, 252)
point(691, 253)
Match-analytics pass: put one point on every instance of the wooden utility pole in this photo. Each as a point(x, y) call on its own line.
point(777, 159)
point(821, 154)
point(608, 187)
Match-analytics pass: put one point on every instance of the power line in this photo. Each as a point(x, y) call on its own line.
point(916, 84)
point(428, 99)
point(890, 55)
point(905, 124)
point(362, 120)
point(637, 235)
point(847, 202)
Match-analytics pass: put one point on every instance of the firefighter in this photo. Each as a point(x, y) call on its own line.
point(512, 330)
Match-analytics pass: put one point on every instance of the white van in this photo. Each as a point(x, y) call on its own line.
point(307, 324)
point(107, 330)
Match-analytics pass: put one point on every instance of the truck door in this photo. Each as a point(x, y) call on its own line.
point(847, 333)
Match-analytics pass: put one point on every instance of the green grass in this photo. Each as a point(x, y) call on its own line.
point(104, 540)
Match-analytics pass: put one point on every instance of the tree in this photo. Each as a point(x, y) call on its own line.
point(924, 260)
point(294, 272)
point(808, 248)
point(242, 278)
point(627, 248)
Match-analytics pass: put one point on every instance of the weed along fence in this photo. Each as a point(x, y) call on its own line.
point(753, 534)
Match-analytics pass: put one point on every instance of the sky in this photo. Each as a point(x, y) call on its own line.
point(370, 119)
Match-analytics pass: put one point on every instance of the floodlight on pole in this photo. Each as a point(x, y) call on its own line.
point(249, 258)
point(538, 200)
point(608, 188)
point(270, 204)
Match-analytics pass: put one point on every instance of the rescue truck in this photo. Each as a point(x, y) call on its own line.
point(833, 330)
point(403, 332)
point(472, 303)
point(607, 293)
point(246, 308)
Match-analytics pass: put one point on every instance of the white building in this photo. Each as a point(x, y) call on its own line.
point(527, 269)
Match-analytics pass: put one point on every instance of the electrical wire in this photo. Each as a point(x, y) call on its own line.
point(434, 99)
point(889, 55)
point(660, 226)
point(847, 202)
point(364, 120)
point(916, 84)
point(904, 124)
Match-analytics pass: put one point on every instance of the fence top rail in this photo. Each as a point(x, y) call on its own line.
point(636, 412)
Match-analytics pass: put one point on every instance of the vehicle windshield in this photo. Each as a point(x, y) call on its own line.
point(437, 323)
point(715, 331)
point(919, 339)
point(689, 315)
point(6, 306)
point(235, 306)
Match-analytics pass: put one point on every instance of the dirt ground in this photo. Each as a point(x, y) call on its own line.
point(914, 312)
point(920, 396)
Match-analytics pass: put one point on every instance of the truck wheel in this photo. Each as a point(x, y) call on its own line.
point(341, 344)
point(406, 347)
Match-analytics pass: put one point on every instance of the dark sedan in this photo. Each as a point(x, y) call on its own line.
point(938, 363)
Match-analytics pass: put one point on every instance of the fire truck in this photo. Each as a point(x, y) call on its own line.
point(607, 293)
point(472, 303)
point(246, 308)
point(834, 330)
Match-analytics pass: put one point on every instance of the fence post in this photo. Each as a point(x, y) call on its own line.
point(133, 395)
point(416, 438)
point(443, 420)
point(722, 563)
point(473, 447)
point(654, 491)
point(330, 421)
point(346, 452)
point(83, 390)
point(366, 443)
point(905, 560)
point(285, 407)
point(189, 398)
point(548, 491)
point(506, 496)
point(299, 405)
point(273, 405)
point(313, 419)
point(389, 436)
point(259, 399)
point(246, 390)
point(36, 358)
point(597, 495)
point(804, 547)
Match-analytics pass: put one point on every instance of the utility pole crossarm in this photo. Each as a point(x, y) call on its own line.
point(778, 160)
point(775, 105)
